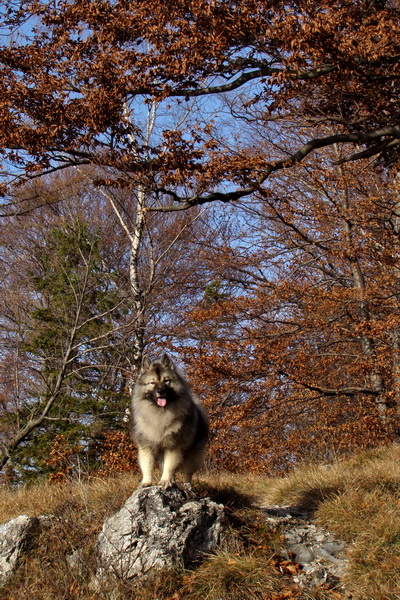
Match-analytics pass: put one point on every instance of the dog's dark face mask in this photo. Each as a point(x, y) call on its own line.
point(162, 394)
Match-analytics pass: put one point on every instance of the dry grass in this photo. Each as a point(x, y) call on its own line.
point(312, 485)
point(97, 495)
point(357, 498)
point(232, 577)
point(370, 520)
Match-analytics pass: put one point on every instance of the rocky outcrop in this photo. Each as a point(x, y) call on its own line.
point(319, 553)
point(158, 529)
point(15, 537)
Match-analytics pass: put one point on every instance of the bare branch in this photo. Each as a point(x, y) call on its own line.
point(243, 78)
point(296, 157)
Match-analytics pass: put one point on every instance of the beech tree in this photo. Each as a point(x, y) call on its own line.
point(74, 76)
point(295, 345)
point(246, 93)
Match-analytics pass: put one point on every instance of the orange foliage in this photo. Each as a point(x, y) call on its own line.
point(119, 453)
point(61, 458)
point(299, 358)
point(66, 85)
point(300, 361)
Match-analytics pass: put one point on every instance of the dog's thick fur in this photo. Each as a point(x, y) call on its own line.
point(170, 426)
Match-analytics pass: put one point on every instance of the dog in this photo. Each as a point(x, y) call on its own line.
point(170, 425)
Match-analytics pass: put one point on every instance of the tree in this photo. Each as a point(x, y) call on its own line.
point(74, 77)
point(63, 265)
point(74, 329)
point(246, 93)
point(154, 247)
point(297, 356)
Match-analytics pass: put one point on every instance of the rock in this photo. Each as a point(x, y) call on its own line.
point(15, 537)
point(76, 561)
point(320, 554)
point(302, 553)
point(158, 529)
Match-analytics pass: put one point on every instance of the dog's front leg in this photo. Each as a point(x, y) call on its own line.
point(172, 461)
point(146, 462)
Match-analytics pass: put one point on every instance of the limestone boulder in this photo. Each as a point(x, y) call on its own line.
point(158, 529)
point(15, 538)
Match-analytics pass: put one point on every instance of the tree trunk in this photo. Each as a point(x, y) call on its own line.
point(396, 331)
point(377, 383)
point(136, 289)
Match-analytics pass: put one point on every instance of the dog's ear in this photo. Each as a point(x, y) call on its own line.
point(146, 363)
point(167, 362)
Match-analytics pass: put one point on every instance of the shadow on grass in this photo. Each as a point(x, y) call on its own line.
point(311, 499)
point(229, 496)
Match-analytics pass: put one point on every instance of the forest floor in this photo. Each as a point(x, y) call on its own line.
point(356, 500)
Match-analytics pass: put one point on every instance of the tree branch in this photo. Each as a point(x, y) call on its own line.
point(243, 78)
point(295, 158)
point(344, 391)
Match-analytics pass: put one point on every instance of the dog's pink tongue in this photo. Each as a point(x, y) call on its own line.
point(162, 402)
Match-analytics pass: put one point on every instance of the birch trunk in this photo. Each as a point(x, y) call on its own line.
point(134, 278)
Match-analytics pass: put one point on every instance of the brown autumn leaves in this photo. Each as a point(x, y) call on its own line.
point(284, 118)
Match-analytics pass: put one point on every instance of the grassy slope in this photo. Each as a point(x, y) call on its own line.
point(357, 498)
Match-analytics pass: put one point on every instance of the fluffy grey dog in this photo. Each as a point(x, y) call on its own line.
point(170, 426)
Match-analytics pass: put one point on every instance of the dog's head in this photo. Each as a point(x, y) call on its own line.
point(160, 381)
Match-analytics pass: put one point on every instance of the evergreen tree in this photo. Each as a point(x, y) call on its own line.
point(76, 335)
